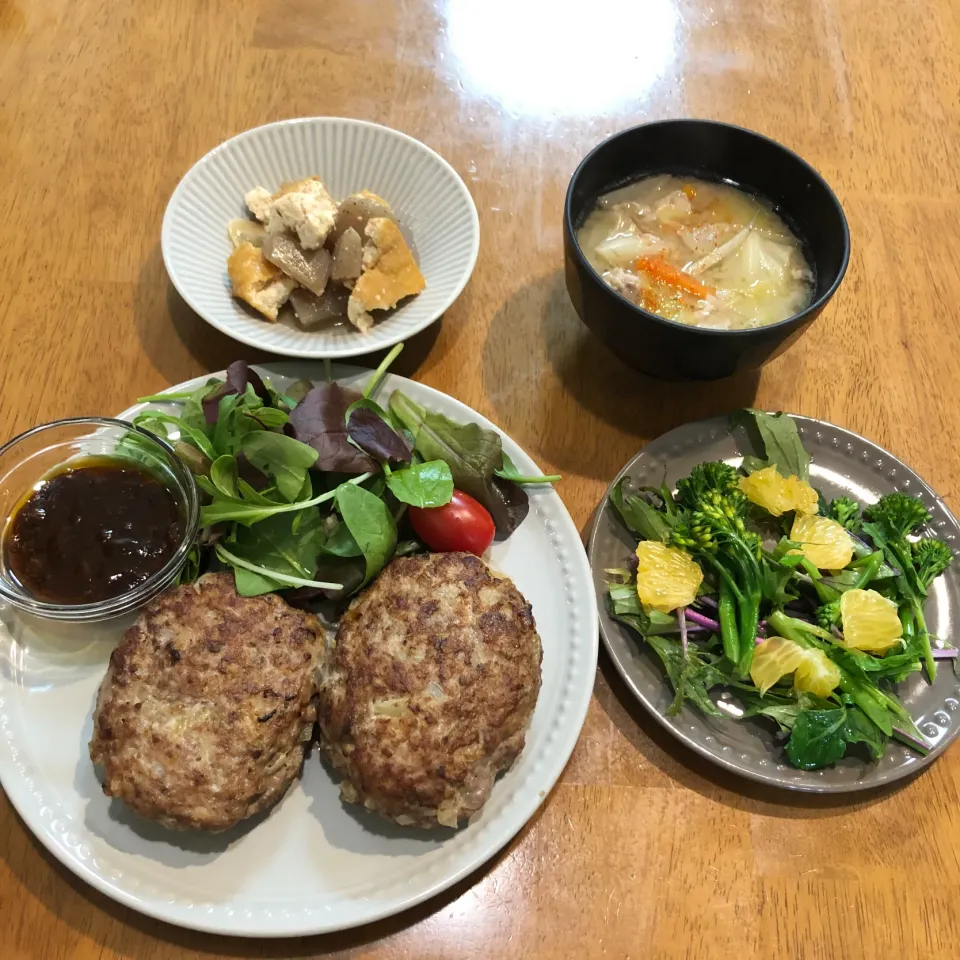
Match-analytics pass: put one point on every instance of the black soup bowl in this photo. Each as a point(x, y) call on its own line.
point(667, 349)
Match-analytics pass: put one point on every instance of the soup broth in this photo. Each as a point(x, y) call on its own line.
point(704, 254)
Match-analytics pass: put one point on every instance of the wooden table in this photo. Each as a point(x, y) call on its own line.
point(642, 849)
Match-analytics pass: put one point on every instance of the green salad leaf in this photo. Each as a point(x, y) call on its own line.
point(340, 542)
point(510, 472)
point(821, 737)
point(280, 457)
point(625, 606)
point(691, 676)
point(784, 712)
point(270, 418)
point(781, 442)
point(156, 423)
point(752, 464)
point(640, 517)
point(473, 455)
point(817, 739)
point(428, 484)
point(225, 509)
point(370, 523)
point(223, 476)
point(276, 548)
point(247, 492)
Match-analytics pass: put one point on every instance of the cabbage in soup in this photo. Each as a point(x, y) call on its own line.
point(705, 254)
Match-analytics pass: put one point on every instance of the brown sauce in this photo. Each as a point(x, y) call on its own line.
point(92, 531)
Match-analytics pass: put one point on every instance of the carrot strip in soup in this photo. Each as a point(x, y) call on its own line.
point(659, 269)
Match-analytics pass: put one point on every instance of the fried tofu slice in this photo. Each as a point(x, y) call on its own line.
point(257, 281)
point(368, 195)
point(303, 207)
point(389, 273)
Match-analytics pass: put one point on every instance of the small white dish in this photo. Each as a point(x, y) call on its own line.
point(312, 864)
point(349, 155)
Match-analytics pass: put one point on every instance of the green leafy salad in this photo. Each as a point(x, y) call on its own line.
point(745, 580)
point(310, 490)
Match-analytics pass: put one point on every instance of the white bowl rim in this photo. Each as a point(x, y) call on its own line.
point(319, 353)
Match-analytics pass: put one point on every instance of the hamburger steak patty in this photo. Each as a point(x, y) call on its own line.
point(426, 694)
point(208, 701)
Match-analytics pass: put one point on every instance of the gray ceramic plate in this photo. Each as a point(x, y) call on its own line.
point(842, 463)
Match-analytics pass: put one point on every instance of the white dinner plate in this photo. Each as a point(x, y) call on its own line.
point(424, 191)
point(312, 864)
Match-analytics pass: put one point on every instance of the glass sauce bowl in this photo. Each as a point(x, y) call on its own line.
point(32, 456)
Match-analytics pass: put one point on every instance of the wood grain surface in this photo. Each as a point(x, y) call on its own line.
point(642, 849)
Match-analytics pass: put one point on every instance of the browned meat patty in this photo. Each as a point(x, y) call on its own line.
point(428, 690)
point(203, 715)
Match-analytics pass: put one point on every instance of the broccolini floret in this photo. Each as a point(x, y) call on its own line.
point(713, 529)
point(898, 515)
point(828, 615)
point(707, 480)
point(846, 512)
point(888, 523)
point(930, 558)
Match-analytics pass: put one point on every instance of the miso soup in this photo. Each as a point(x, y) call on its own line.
point(705, 254)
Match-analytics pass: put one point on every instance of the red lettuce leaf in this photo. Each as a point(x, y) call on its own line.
point(239, 375)
point(375, 436)
point(508, 504)
point(211, 402)
point(319, 420)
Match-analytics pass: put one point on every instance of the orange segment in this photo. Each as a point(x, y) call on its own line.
point(870, 621)
point(779, 495)
point(773, 659)
point(813, 671)
point(816, 674)
point(824, 542)
point(667, 578)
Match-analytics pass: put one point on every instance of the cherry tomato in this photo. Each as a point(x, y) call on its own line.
point(461, 525)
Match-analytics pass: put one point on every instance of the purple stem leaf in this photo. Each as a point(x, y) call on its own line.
point(682, 620)
point(705, 622)
point(700, 619)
